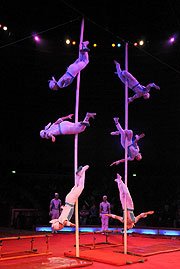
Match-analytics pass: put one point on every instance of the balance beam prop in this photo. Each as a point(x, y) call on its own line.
point(24, 253)
point(98, 245)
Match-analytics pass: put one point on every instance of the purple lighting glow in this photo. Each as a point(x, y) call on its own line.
point(172, 39)
point(36, 38)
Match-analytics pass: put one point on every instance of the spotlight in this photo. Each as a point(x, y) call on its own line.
point(141, 42)
point(5, 28)
point(119, 45)
point(13, 172)
point(68, 41)
point(113, 45)
point(171, 40)
point(74, 42)
point(94, 45)
point(135, 44)
point(36, 38)
point(134, 175)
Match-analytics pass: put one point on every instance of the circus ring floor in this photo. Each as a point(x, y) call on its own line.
point(161, 251)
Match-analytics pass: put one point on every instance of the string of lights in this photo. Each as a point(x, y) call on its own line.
point(120, 41)
point(35, 36)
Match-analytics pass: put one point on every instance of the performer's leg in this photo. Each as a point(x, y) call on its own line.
point(56, 215)
point(87, 117)
point(124, 193)
point(103, 222)
point(106, 222)
point(80, 63)
point(129, 134)
point(132, 81)
point(68, 127)
point(53, 216)
point(78, 188)
point(119, 72)
point(121, 131)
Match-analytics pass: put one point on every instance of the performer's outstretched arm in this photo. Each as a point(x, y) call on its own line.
point(131, 99)
point(121, 161)
point(138, 137)
point(52, 137)
point(152, 85)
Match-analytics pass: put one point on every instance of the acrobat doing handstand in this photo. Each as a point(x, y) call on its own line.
point(72, 70)
point(133, 84)
point(70, 200)
point(133, 148)
point(125, 194)
point(61, 127)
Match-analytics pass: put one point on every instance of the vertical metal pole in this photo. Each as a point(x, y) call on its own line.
point(126, 151)
point(76, 147)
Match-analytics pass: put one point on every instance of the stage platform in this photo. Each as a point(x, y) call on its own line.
point(64, 242)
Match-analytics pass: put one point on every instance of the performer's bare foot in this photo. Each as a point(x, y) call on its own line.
point(116, 120)
point(91, 115)
point(116, 63)
point(118, 179)
point(156, 87)
point(139, 136)
point(115, 133)
point(144, 215)
point(150, 212)
point(130, 100)
point(70, 116)
point(82, 169)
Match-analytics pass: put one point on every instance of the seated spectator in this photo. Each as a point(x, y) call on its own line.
point(177, 218)
point(93, 215)
point(166, 217)
point(84, 213)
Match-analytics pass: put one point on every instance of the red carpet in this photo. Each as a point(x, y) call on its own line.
point(60, 243)
point(107, 256)
point(155, 249)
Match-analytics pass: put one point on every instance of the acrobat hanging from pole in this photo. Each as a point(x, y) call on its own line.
point(61, 127)
point(70, 200)
point(125, 194)
point(133, 84)
point(132, 145)
point(73, 69)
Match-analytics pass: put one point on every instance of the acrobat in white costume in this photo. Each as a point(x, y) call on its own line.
point(72, 70)
point(61, 127)
point(68, 209)
point(125, 194)
point(133, 148)
point(133, 84)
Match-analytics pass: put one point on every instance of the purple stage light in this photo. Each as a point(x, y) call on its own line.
point(172, 39)
point(36, 38)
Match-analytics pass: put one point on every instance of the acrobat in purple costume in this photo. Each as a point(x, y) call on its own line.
point(133, 148)
point(133, 84)
point(70, 200)
point(125, 194)
point(61, 127)
point(72, 70)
